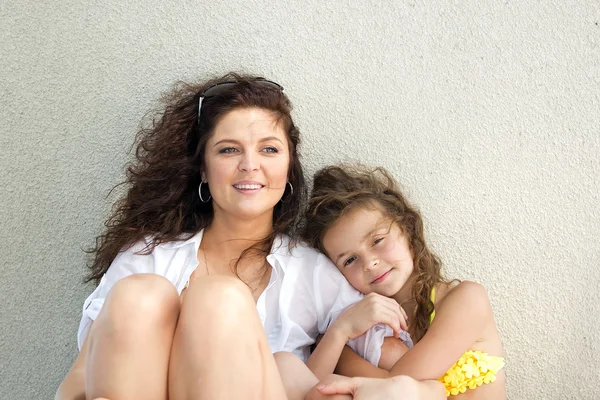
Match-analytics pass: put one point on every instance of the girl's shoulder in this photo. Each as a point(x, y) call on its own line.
point(458, 292)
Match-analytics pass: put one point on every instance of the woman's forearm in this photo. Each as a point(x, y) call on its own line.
point(432, 390)
point(395, 388)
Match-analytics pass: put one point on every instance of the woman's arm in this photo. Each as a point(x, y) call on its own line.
point(73, 386)
point(399, 387)
point(460, 320)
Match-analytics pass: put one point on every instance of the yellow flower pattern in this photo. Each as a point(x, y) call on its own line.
point(473, 369)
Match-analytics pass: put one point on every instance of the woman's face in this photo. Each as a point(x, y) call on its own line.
point(246, 164)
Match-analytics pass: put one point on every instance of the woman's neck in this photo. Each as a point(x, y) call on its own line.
point(230, 236)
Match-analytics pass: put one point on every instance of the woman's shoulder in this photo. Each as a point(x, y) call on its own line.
point(284, 245)
point(151, 243)
point(149, 253)
point(307, 259)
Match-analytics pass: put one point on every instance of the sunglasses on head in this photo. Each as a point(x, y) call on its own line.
point(221, 87)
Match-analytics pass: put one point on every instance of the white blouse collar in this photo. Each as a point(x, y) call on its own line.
point(279, 250)
point(195, 239)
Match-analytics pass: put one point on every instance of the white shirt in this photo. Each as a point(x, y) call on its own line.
point(306, 293)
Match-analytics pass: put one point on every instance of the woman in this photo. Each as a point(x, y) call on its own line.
point(199, 279)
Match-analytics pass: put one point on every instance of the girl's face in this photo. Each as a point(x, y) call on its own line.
point(370, 250)
point(246, 164)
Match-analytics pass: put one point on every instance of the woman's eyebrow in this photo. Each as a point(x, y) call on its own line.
point(266, 139)
point(226, 141)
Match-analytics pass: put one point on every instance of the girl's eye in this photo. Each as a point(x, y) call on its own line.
point(270, 150)
point(377, 241)
point(227, 150)
point(349, 261)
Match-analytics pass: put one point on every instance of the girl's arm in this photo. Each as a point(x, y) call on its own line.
point(323, 359)
point(371, 310)
point(461, 318)
point(351, 364)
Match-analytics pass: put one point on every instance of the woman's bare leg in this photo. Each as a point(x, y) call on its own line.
point(220, 350)
point(130, 341)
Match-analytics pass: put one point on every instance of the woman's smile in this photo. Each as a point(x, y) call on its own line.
point(248, 187)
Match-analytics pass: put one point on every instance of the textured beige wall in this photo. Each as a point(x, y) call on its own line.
point(487, 111)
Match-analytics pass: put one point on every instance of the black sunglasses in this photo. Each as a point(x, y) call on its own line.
point(221, 87)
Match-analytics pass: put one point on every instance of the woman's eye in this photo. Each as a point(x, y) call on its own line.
point(270, 150)
point(228, 150)
point(349, 261)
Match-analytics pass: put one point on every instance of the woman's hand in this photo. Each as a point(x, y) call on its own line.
point(373, 309)
point(398, 387)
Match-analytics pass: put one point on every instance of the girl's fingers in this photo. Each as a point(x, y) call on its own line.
point(387, 311)
point(398, 311)
point(403, 321)
point(401, 313)
point(391, 306)
point(404, 313)
point(390, 318)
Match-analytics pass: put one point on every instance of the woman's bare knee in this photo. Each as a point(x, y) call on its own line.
point(219, 333)
point(217, 306)
point(219, 285)
point(130, 341)
point(141, 300)
point(218, 295)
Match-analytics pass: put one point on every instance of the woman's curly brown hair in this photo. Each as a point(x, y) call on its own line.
point(340, 189)
point(161, 202)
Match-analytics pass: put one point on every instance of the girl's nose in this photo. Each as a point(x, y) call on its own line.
point(371, 264)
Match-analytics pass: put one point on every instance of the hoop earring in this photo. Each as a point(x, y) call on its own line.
point(200, 193)
point(289, 195)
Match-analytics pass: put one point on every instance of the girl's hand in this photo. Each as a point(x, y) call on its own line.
point(373, 309)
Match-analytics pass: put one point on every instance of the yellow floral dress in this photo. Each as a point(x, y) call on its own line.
point(473, 369)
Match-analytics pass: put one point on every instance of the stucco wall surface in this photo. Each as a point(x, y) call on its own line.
point(488, 112)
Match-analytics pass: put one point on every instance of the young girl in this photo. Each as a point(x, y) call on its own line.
point(363, 223)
